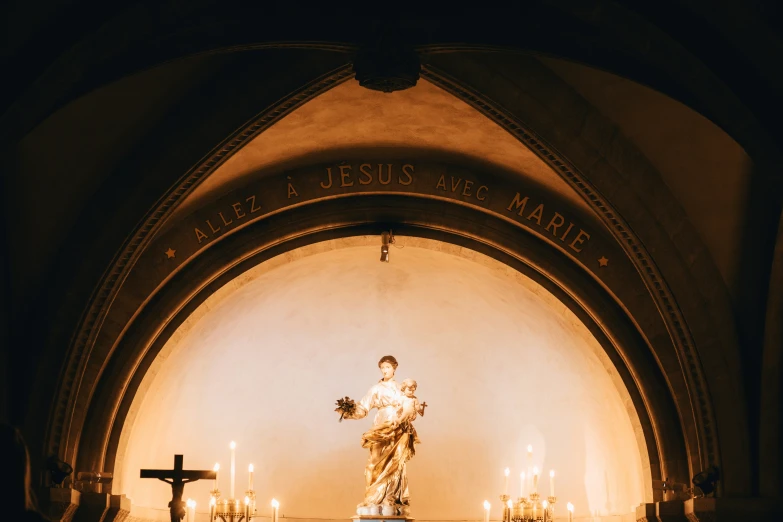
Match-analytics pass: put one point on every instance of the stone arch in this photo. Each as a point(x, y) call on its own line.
point(697, 455)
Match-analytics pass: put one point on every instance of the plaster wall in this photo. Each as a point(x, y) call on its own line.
point(500, 361)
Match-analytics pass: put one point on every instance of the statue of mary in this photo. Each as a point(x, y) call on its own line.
point(390, 441)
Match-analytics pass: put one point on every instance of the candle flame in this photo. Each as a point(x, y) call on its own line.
point(522, 475)
point(552, 473)
point(247, 500)
point(510, 504)
point(530, 448)
point(217, 467)
point(275, 503)
point(250, 468)
point(212, 501)
point(570, 507)
point(486, 504)
point(544, 504)
point(507, 471)
point(233, 445)
point(191, 503)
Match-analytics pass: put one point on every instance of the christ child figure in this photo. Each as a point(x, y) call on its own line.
point(410, 406)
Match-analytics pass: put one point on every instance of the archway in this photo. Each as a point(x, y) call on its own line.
point(503, 359)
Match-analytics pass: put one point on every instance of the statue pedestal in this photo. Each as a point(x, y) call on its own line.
point(381, 518)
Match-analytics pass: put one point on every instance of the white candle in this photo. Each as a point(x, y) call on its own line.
point(570, 507)
point(535, 480)
point(247, 508)
point(216, 468)
point(505, 482)
point(551, 483)
point(529, 463)
point(522, 485)
point(544, 506)
point(250, 477)
point(211, 509)
point(233, 447)
point(191, 510)
point(275, 506)
point(486, 511)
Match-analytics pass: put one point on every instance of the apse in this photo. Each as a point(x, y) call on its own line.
point(501, 363)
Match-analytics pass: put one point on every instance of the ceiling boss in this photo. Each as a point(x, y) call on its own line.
point(390, 441)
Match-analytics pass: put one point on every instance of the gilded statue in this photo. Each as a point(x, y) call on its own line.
point(390, 440)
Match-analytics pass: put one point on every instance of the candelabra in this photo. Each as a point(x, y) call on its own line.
point(231, 510)
point(528, 509)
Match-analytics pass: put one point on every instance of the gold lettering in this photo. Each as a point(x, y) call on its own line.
point(570, 226)
point(238, 210)
point(536, 214)
point(200, 235)
point(380, 174)
point(466, 189)
point(292, 191)
point(579, 240)
point(518, 203)
point(329, 175)
point(553, 225)
point(212, 228)
point(344, 175)
point(224, 219)
point(409, 174)
point(366, 172)
point(453, 186)
point(442, 182)
point(253, 207)
point(485, 189)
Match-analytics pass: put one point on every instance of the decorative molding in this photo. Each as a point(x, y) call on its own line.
point(659, 290)
point(59, 430)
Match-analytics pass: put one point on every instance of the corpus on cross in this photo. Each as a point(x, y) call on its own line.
point(177, 477)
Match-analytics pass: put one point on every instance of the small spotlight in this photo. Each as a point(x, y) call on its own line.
point(387, 238)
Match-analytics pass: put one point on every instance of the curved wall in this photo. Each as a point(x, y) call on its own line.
point(502, 363)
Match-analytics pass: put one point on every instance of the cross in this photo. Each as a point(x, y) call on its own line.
point(178, 478)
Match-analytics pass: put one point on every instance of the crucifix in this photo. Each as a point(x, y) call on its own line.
point(177, 477)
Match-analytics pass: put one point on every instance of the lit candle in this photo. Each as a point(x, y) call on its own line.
point(233, 447)
point(216, 468)
point(275, 506)
point(570, 507)
point(529, 463)
point(522, 485)
point(544, 505)
point(211, 509)
point(250, 477)
point(535, 480)
point(505, 482)
point(551, 483)
point(247, 508)
point(191, 510)
point(510, 506)
point(486, 511)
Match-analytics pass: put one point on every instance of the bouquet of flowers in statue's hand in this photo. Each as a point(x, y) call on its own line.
point(346, 407)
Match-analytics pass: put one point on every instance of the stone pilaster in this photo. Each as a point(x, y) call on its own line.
point(103, 507)
point(59, 504)
point(646, 513)
point(701, 510)
point(670, 511)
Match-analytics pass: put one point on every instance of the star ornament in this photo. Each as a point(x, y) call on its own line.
point(170, 253)
point(603, 262)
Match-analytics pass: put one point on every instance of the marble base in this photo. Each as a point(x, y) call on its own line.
point(381, 518)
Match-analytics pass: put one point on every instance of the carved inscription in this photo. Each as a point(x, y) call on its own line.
point(555, 221)
point(367, 174)
point(226, 218)
point(462, 187)
point(360, 176)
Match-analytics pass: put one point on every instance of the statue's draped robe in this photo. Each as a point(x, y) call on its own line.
point(390, 447)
